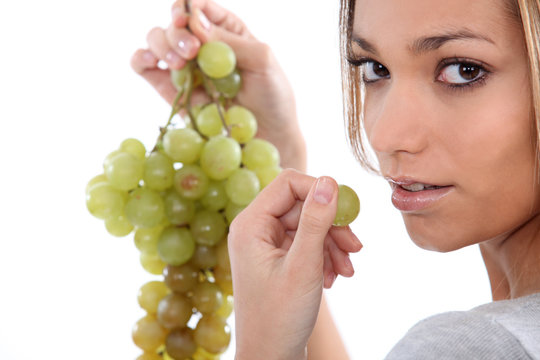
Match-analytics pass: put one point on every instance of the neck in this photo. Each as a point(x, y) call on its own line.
point(513, 261)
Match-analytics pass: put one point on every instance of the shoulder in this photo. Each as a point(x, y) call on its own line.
point(458, 335)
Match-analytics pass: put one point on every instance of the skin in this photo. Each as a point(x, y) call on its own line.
point(478, 139)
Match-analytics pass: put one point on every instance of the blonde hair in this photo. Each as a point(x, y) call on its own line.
point(528, 14)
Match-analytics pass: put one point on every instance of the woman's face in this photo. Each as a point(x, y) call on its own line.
point(447, 104)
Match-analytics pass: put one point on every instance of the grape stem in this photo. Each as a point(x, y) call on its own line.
point(216, 100)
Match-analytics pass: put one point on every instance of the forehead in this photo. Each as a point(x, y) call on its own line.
point(403, 20)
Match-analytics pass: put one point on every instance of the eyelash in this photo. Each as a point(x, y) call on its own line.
point(357, 62)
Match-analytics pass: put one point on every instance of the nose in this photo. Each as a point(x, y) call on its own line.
point(397, 120)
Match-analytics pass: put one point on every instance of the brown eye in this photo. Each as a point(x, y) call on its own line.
point(374, 71)
point(461, 73)
point(469, 72)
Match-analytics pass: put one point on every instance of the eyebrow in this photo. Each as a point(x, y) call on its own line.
point(427, 43)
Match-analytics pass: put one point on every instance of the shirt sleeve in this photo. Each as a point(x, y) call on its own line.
point(458, 335)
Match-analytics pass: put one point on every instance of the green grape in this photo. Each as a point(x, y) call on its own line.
point(146, 239)
point(222, 255)
point(209, 121)
point(212, 334)
point(98, 179)
point(150, 294)
point(226, 308)
point(208, 227)
point(242, 123)
point(216, 59)
point(220, 156)
point(202, 354)
point(152, 263)
point(259, 153)
point(204, 257)
point(145, 208)
point(124, 171)
point(118, 225)
point(230, 85)
point(223, 279)
point(183, 145)
point(148, 334)
point(180, 344)
point(348, 206)
point(149, 356)
point(103, 201)
point(267, 174)
point(158, 171)
point(176, 245)
point(108, 158)
point(178, 209)
point(242, 186)
point(181, 278)
point(231, 210)
point(207, 297)
point(215, 197)
point(174, 311)
point(134, 147)
point(179, 77)
point(191, 182)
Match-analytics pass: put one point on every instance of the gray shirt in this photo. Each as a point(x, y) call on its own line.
point(507, 329)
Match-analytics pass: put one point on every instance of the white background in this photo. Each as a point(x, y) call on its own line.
point(69, 97)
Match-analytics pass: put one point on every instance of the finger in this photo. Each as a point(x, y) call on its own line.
point(182, 42)
point(317, 216)
point(221, 17)
point(251, 54)
point(329, 276)
point(179, 15)
point(158, 44)
point(291, 218)
point(278, 197)
point(340, 260)
point(144, 62)
point(345, 239)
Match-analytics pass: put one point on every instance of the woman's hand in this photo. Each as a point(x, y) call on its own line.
point(284, 250)
point(265, 89)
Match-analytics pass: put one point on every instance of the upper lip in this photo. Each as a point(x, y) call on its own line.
point(406, 181)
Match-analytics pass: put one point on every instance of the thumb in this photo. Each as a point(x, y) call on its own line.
point(251, 54)
point(318, 213)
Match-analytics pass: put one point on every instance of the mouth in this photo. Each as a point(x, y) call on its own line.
point(412, 195)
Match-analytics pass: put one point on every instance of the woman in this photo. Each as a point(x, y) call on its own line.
point(450, 106)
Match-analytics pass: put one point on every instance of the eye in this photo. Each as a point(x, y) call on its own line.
point(373, 71)
point(461, 73)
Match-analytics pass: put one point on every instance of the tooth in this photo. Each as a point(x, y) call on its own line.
point(414, 187)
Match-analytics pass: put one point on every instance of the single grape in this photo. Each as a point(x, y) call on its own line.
point(174, 311)
point(216, 59)
point(242, 186)
point(98, 179)
point(150, 294)
point(180, 344)
point(191, 182)
point(181, 278)
point(103, 201)
point(204, 257)
point(215, 197)
point(220, 156)
point(209, 121)
point(242, 123)
point(226, 308)
point(202, 354)
point(212, 334)
point(348, 206)
point(179, 77)
point(145, 208)
point(158, 171)
point(231, 210)
point(176, 245)
point(267, 174)
point(148, 334)
point(178, 209)
point(259, 153)
point(207, 297)
point(223, 279)
point(111, 155)
point(230, 85)
point(208, 227)
point(134, 147)
point(183, 145)
point(124, 171)
point(152, 263)
point(146, 239)
point(118, 225)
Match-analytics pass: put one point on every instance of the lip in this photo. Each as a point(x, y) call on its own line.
point(409, 201)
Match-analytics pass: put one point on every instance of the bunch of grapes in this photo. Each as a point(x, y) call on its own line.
point(179, 199)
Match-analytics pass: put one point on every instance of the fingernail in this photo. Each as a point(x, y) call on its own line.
point(148, 57)
point(185, 45)
point(324, 191)
point(172, 58)
point(205, 23)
